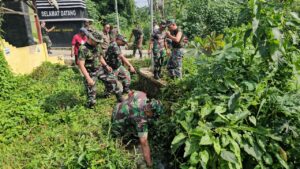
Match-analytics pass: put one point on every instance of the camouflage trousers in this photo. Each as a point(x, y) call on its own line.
point(158, 58)
point(123, 76)
point(48, 42)
point(110, 81)
point(174, 65)
point(135, 47)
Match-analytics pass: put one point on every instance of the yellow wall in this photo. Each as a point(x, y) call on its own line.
point(23, 60)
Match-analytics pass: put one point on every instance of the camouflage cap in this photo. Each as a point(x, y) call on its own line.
point(156, 106)
point(163, 23)
point(95, 36)
point(170, 21)
point(121, 37)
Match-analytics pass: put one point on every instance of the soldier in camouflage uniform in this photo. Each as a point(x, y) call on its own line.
point(90, 57)
point(114, 58)
point(138, 39)
point(158, 47)
point(45, 35)
point(132, 116)
point(175, 62)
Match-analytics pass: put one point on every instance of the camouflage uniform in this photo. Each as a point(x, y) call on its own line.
point(138, 34)
point(113, 60)
point(175, 62)
point(46, 38)
point(158, 49)
point(129, 117)
point(91, 56)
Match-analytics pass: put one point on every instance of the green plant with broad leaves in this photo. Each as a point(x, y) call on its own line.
point(240, 108)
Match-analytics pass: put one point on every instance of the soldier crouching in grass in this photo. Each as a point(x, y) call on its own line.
point(115, 59)
point(131, 118)
point(90, 56)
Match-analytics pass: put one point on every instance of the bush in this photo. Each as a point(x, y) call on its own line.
point(206, 16)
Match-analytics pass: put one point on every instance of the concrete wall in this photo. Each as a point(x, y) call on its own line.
point(25, 59)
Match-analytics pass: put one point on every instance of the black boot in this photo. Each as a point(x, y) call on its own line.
point(156, 75)
point(126, 90)
point(160, 74)
point(119, 97)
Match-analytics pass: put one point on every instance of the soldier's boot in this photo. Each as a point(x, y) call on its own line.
point(91, 104)
point(141, 53)
point(160, 74)
point(126, 90)
point(156, 76)
point(119, 97)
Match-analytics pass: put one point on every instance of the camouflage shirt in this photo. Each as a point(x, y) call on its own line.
point(112, 55)
point(130, 113)
point(158, 39)
point(90, 55)
point(137, 33)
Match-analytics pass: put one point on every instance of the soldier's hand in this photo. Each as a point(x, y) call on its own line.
point(168, 34)
point(131, 69)
point(168, 52)
point(108, 68)
point(90, 82)
point(149, 52)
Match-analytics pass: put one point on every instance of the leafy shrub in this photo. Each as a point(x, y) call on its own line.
point(206, 16)
point(240, 108)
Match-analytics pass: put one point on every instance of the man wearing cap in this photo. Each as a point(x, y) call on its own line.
point(106, 37)
point(115, 59)
point(78, 39)
point(158, 46)
point(137, 32)
point(174, 65)
point(90, 56)
point(131, 117)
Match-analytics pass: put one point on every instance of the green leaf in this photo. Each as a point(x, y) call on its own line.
point(217, 146)
point(229, 156)
point(220, 109)
point(204, 156)
point(253, 151)
point(268, 159)
point(281, 161)
point(295, 16)
point(205, 110)
point(178, 141)
point(252, 119)
point(255, 23)
point(205, 140)
point(178, 138)
point(233, 101)
point(194, 159)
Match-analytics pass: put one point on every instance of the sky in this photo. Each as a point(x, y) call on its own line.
point(141, 3)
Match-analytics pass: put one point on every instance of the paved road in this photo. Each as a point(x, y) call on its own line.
point(66, 54)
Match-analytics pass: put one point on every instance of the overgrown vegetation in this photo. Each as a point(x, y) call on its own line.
point(239, 107)
point(44, 122)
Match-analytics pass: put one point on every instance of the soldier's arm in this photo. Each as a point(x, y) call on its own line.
point(175, 38)
point(85, 72)
point(146, 150)
point(150, 45)
point(104, 64)
point(126, 62)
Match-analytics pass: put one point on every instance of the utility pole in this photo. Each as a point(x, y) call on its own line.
point(118, 23)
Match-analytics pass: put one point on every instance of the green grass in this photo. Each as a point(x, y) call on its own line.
point(44, 123)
